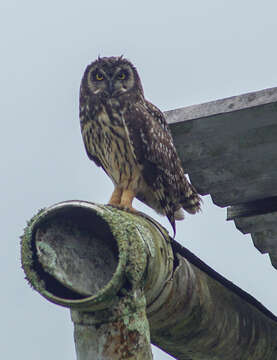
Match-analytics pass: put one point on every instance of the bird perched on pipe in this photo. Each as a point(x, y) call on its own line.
point(129, 138)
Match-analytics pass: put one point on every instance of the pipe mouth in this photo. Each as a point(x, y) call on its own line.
point(73, 256)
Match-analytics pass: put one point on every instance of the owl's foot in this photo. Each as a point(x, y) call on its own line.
point(130, 209)
point(125, 208)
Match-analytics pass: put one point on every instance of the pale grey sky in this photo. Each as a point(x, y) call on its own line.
point(186, 52)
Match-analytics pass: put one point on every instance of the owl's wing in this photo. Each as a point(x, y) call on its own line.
point(153, 147)
point(152, 141)
point(157, 114)
point(162, 170)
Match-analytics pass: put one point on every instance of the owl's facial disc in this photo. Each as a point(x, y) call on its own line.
point(110, 82)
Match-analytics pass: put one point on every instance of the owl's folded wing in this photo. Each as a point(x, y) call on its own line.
point(152, 142)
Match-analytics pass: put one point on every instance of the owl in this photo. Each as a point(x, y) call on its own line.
point(129, 138)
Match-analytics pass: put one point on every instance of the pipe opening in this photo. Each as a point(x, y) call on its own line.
point(75, 254)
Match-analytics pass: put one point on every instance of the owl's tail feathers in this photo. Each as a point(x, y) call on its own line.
point(179, 214)
point(192, 202)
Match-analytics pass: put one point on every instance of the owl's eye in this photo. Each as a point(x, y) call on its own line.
point(121, 75)
point(99, 77)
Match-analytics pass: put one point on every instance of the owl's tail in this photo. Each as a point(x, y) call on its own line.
point(192, 201)
point(179, 214)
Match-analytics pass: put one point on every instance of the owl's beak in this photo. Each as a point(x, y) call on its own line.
point(111, 87)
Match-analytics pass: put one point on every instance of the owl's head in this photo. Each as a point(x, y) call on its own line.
point(111, 77)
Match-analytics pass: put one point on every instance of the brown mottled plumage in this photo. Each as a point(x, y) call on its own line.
point(129, 138)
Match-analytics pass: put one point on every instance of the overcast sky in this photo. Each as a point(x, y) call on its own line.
point(186, 52)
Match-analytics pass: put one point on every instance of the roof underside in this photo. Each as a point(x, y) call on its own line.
point(229, 149)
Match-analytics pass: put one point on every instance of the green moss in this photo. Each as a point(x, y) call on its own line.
point(27, 257)
point(126, 229)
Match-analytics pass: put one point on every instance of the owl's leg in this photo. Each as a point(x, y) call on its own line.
point(116, 197)
point(127, 199)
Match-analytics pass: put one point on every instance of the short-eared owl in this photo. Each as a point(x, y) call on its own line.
point(128, 137)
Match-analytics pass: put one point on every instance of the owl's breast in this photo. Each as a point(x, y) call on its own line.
point(112, 146)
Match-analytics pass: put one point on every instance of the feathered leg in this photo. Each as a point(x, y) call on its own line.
point(116, 196)
point(127, 200)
